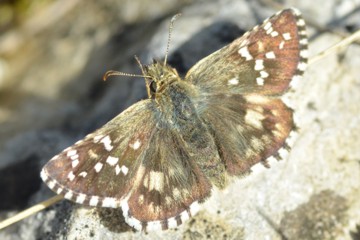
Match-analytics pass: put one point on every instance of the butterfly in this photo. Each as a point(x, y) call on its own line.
point(160, 159)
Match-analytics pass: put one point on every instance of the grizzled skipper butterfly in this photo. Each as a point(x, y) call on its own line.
point(160, 158)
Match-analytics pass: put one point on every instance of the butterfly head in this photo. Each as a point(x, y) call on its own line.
point(160, 76)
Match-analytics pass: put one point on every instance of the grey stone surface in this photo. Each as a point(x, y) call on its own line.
point(52, 95)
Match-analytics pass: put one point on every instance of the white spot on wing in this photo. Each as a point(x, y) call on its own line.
point(92, 154)
point(249, 153)
point(256, 143)
point(295, 81)
point(283, 153)
point(303, 33)
point(117, 170)
point(260, 46)
point(168, 200)
point(286, 36)
point(75, 163)
point(244, 52)
point(68, 195)
point(176, 193)
point(146, 181)
point(304, 41)
point(254, 118)
point(274, 33)
point(98, 167)
point(94, 200)
point(133, 222)
point(304, 53)
point(51, 184)
point(83, 174)
point(270, 55)
point(300, 22)
point(80, 198)
point(112, 160)
point(233, 81)
point(194, 208)
point(277, 133)
point(184, 216)
point(259, 81)
point(264, 74)
point(107, 143)
point(259, 65)
point(257, 99)
point(71, 153)
point(245, 41)
point(136, 145)
point(267, 26)
point(59, 190)
point(71, 176)
point(43, 175)
point(141, 199)
point(172, 223)
point(302, 66)
point(291, 138)
point(124, 169)
point(154, 226)
point(156, 181)
point(281, 45)
point(269, 30)
point(125, 207)
point(109, 202)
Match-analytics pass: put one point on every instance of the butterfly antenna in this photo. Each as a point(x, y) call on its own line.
point(117, 73)
point(147, 79)
point(169, 37)
point(140, 64)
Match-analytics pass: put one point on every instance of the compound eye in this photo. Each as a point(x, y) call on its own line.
point(153, 87)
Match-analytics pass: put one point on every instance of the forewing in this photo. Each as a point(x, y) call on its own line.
point(100, 169)
point(241, 87)
point(265, 60)
point(134, 162)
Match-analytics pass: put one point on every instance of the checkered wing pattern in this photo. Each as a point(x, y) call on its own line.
point(160, 158)
point(129, 163)
point(242, 103)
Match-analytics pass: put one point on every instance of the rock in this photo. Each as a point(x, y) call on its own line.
point(53, 95)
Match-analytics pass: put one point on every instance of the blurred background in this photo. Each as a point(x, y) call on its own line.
point(54, 53)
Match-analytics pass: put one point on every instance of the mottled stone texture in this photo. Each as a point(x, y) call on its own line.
point(51, 95)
